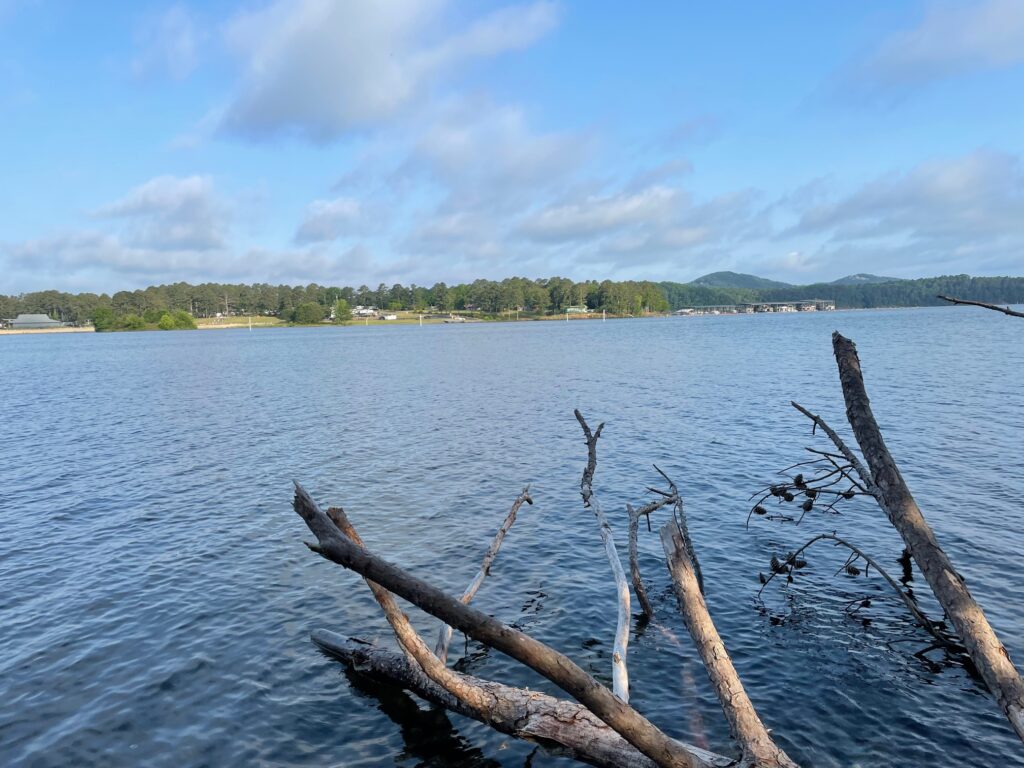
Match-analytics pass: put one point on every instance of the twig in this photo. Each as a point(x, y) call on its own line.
point(790, 562)
point(445, 633)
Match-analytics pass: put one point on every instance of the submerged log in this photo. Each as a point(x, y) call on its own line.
point(983, 646)
point(756, 744)
point(561, 726)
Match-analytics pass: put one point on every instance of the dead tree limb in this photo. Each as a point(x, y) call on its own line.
point(994, 307)
point(444, 636)
point(409, 639)
point(684, 530)
point(556, 667)
point(563, 726)
point(620, 671)
point(756, 744)
point(792, 561)
point(850, 456)
point(986, 651)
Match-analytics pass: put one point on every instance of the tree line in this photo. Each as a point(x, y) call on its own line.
point(543, 296)
point(490, 297)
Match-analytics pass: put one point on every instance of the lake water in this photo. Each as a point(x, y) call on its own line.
point(156, 597)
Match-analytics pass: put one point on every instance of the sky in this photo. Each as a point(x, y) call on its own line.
point(416, 141)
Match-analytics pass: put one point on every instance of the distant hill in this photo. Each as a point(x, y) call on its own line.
point(737, 280)
point(859, 294)
point(862, 278)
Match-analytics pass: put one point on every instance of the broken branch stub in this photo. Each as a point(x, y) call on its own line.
point(983, 646)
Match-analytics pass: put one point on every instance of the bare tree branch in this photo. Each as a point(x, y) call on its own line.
point(988, 654)
point(445, 634)
point(556, 667)
point(563, 726)
point(994, 307)
point(409, 639)
point(756, 744)
point(620, 671)
point(850, 456)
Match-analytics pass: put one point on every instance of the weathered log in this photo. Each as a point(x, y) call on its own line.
point(561, 726)
point(444, 636)
point(756, 744)
point(995, 307)
point(556, 667)
point(620, 671)
point(983, 646)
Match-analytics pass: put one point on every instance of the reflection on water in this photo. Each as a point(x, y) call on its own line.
point(156, 599)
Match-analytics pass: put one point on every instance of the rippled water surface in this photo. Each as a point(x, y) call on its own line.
point(156, 598)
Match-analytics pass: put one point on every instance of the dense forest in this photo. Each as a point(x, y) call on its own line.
point(543, 296)
point(485, 296)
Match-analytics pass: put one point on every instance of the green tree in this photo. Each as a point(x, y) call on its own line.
point(308, 313)
point(166, 322)
point(103, 319)
point(342, 312)
point(183, 321)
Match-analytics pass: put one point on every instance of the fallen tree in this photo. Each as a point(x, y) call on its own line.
point(599, 727)
point(984, 305)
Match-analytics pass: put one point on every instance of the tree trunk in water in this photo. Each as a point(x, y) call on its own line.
point(759, 750)
point(984, 648)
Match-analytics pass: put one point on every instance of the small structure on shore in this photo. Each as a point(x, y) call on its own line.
point(25, 322)
point(806, 305)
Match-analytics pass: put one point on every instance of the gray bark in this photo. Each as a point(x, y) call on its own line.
point(986, 651)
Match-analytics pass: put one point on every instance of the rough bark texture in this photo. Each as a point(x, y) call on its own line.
point(984, 648)
point(556, 667)
point(562, 726)
point(757, 746)
point(444, 636)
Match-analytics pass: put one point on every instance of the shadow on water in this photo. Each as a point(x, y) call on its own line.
point(428, 735)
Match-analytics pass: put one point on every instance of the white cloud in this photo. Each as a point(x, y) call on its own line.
point(170, 213)
point(952, 38)
point(318, 68)
point(330, 219)
point(597, 215)
point(167, 43)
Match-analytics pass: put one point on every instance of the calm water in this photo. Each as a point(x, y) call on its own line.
point(156, 598)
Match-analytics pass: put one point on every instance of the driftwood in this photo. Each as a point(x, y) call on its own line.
point(556, 667)
point(444, 636)
point(620, 671)
point(756, 744)
point(994, 307)
point(986, 652)
point(563, 726)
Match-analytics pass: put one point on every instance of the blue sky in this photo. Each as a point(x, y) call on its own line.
point(406, 141)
